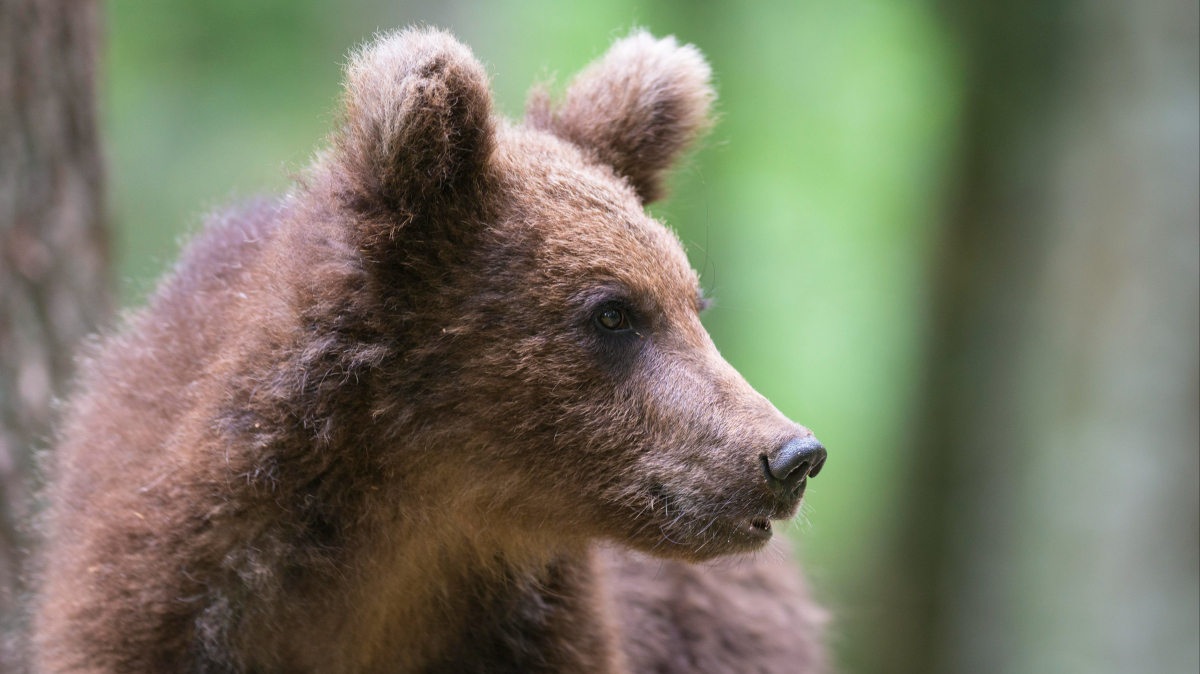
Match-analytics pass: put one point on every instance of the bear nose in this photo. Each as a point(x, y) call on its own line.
point(796, 459)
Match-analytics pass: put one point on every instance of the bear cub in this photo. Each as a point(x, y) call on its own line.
point(446, 406)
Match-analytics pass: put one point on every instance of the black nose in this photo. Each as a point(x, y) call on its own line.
point(796, 459)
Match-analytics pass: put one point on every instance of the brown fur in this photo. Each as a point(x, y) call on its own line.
point(374, 426)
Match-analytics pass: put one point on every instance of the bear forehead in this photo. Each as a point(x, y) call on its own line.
point(586, 222)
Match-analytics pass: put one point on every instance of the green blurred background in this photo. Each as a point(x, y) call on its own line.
point(810, 210)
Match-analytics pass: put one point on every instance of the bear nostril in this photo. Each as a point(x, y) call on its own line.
point(817, 467)
point(796, 459)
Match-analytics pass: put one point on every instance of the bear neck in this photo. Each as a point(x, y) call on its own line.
point(482, 604)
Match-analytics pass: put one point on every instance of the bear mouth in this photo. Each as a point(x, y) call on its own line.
point(755, 527)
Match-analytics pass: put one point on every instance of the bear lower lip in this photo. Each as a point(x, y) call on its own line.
point(755, 527)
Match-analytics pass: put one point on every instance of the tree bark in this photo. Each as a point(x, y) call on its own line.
point(1056, 526)
point(54, 283)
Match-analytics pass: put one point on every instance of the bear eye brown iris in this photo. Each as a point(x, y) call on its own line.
point(613, 319)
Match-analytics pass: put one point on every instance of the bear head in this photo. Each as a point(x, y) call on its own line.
point(550, 360)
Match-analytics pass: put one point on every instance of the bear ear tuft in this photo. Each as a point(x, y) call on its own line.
point(417, 130)
point(637, 108)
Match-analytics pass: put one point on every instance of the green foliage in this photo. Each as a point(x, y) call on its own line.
point(812, 210)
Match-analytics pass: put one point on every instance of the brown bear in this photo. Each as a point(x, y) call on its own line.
point(447, 406)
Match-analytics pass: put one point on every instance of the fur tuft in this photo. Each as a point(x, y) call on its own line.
point(637, 109)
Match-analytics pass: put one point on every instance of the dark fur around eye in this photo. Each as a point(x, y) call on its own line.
point(618, 334)
point(613, 330)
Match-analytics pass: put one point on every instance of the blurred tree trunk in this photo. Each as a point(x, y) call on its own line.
point(53, 251)
point(1057, 522)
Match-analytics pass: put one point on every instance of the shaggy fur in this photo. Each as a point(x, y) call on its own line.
point(378, 425)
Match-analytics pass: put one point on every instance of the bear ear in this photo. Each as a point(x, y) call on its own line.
point(417, 133)
point(637, 108)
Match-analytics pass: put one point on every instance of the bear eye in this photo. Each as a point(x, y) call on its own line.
point(613, 319)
